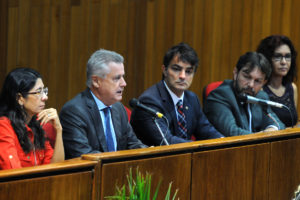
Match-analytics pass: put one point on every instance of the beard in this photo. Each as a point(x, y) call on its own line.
point(241, 91)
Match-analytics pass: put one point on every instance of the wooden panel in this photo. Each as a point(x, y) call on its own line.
point(61, 187)
point(3, 37)
point(72, 164)
point(57, 37)
point(176, 169)
point(195, 146)
point(70, 179)
point(12, 38)
point(254, 166)
point(234, 173)
point(284, 169)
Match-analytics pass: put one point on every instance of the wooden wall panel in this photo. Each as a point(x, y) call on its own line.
point(12, 38)
point(3, 37)
point(57, 37)
point(284, 169)
point(75, 186)
point(234, 173)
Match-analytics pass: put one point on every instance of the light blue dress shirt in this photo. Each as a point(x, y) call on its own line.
point(101, 106)
point(174, 98)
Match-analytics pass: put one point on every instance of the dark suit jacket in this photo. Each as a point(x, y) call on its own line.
point(230, 117)
point(158, 98)
point(83, 131)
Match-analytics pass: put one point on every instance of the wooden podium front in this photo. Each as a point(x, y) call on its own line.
point(72, 179)
point(255, 166)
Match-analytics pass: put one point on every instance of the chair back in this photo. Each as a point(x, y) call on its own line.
point(128, 113)
point(208, 88)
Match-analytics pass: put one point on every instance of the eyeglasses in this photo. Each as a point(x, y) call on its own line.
point(40, 92)
point(278, 57)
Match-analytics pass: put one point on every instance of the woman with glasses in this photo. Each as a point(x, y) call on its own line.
point(280, 52)
point(22, 115)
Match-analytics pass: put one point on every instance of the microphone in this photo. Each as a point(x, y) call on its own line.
point(135, 103)
point(251, 99)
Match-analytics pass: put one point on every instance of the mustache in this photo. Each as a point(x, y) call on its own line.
point(248, 90)
point(180, 81)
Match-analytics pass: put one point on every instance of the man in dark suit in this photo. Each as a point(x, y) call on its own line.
point(95, 121)
point(181, 108)
point(226, 108)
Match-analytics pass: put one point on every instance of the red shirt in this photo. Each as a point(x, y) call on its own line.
point(50, 133)
point(11, 153)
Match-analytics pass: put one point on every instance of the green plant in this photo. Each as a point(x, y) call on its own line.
point(139, 188)
point(297, 194)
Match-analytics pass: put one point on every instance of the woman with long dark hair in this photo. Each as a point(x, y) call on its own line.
point(22, 114)
point(280, 52)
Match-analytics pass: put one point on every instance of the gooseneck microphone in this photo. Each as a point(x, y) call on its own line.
point(135, 103)
point(251, 99)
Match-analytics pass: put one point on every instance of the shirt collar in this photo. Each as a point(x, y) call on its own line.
point(99, 103)
point(173, 96)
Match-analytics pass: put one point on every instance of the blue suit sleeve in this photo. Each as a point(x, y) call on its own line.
point(205, 129)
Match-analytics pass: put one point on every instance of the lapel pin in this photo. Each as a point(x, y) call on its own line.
point(186, 107)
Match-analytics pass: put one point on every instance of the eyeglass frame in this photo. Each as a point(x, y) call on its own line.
point(279, 57)
point(44, 91)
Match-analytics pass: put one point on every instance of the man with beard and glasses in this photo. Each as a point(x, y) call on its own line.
point(226, 109)
point(181, 108)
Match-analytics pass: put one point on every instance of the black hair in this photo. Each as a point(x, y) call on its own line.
point(185, 53)
point(19, 82)
point(268, 46)
point(252, 60)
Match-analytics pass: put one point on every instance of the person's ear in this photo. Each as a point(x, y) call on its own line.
point(164, 70)
point(265, 81)
point(20, 99)
point(96, 82)
point(235, 73)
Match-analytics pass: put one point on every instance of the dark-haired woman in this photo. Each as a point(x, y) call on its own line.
point(22, 114)
point(280, 52)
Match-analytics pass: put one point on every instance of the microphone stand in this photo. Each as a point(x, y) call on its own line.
point(161, 133)
point(284, 106)
point(265, 109)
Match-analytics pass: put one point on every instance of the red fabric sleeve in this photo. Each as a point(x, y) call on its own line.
point(48, 152)
point(50, 133)
point(8, 146)
point(49, 145)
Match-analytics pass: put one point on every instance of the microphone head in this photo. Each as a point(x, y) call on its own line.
point(133, 102)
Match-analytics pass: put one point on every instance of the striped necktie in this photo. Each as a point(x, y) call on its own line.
point(181, 119)
point(109, 137)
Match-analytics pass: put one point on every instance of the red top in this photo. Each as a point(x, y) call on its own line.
point(11, 153)
point(50, 133)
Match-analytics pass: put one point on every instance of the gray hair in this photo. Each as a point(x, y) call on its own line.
point(98, 64)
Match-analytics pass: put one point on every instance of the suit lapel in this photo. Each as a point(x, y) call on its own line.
point(169, 107)
point(94, 112)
